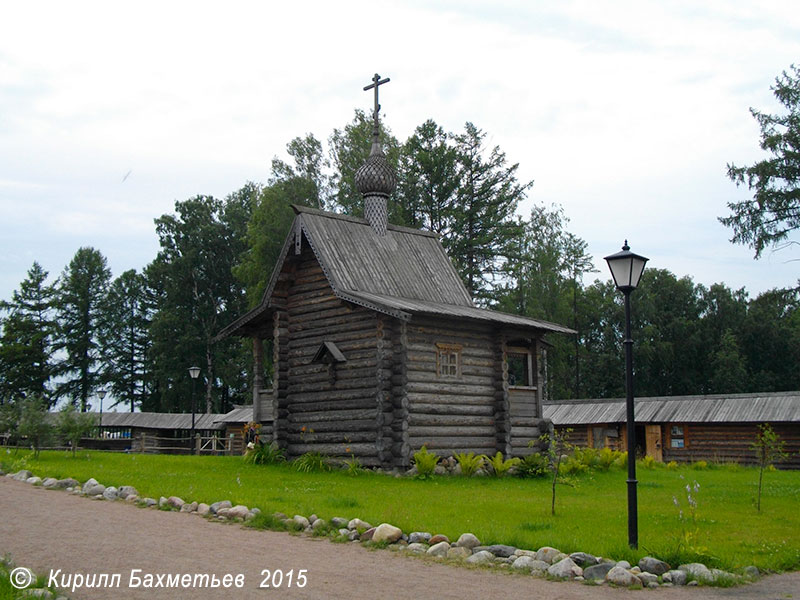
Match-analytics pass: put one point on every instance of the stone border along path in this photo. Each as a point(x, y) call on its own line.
point(45, 531)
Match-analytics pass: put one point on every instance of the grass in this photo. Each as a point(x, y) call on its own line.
point(592, 516)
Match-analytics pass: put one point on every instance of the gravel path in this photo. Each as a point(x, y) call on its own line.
point(45, 529)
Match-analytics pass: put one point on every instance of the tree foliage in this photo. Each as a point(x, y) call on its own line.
point(81, 292)
point(73, 425)
point(773, 213)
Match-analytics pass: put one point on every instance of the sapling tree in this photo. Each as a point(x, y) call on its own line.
point(33, 423)
point(556, 445)
point(769, 448)
point(74, 425)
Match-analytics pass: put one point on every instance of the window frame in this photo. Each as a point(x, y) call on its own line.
point(452, 351)
point(678, 433)
point(531, 378)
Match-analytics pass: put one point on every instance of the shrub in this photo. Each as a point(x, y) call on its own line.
point(648, 462)
point(469, 462)
point(533, 465)
point(672, 465)
point(700, 465)
point(425, 462)
point(587, 457)
point(353, 466)
point(265, 454)
point(312, 462)
point(573, 466)
point(501, 467)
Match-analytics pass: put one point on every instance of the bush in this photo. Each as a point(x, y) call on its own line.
point(425, 462)
point(587, 457)
point(501, 467)
point(469, 463)
point(648, 462)
point(265, 454)
point(608, 458)
point(533, 465)
point(700, 465)
point(312, 462)
point(353, 466)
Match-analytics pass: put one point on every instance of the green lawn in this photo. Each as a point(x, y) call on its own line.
point(591, 516)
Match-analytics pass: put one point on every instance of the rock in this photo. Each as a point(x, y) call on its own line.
point(752, 572)
point(438, 538)
point(148, 502)
point(279, 516)
point(622, 577)
point(698, 571)
point(96, 489)
point(301, 521)
point(127, 490)
point(526, 563)
point(175, 501)
point(583, 560)
point(387, 533)
point(312, 518)
point(203, 509)
point(693, 582)
point(417, 548)
point(358, 524)
point(339, 522)
point(565, 569)
point(131, 499)
point(624, 564)
point(162, 502)
point(255, 510)
point(467, 540)
point(481, 558)
point(653, 584)
point(501, 550)
point(89, 483)
point(718, 574)
point(531, 553)
point(440, 470)
point(68, 482)
point(34, 480)
point(367, 535)
point(598, 571)
point(238, 512)
point(675, 577)
point(23, 475)
point(110, 493)
point(319, 524)
point(439, 549)
point(653, 565)
point(49, 482)
point(647, 578)
point(353, 535)
point(459, 552)
point(223, 504)
point(635, 570)
point(189, 507)
point(547, 554)
point(416, 537)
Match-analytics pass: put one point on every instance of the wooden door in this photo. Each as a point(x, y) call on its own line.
point(653, 441)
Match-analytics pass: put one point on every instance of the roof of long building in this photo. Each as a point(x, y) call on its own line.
point(403, 273)
point(717, 408)
point(151, 420)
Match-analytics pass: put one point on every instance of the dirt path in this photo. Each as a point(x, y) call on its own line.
point(44, 529)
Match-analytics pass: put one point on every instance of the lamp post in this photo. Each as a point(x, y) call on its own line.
point(194, 372)
point(101, 393)
point(626, 269)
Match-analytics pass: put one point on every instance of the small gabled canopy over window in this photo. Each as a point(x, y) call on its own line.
point(328, 354)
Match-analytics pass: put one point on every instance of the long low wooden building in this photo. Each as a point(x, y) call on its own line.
point(714, 428)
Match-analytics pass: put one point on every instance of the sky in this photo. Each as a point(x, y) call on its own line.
point(624, 113)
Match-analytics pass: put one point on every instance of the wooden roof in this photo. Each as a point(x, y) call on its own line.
point(151, 420)
point(403, 273)
point(771, 407)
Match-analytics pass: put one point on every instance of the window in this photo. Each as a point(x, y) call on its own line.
point(520, 367)
point(677, 436)
point(448, 360)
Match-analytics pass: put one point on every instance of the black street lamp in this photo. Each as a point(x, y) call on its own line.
point(101, 393)
point(194, 372)
point(626, 269)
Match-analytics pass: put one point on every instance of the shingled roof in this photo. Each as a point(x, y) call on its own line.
point(718, 408)
point(403, 273)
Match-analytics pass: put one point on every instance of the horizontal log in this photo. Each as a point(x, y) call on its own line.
point(450, 389)
point(346, 439)
point(366, 402)
point(430, 376)
point(334, 328)
point(298, 311)
point(439, 398)
point(486, 410)
point(422, 431)
point(415, 418)
point(360, 449)
point(453, 445)
point(315, 423)
point(417, 348)
point(357, 385)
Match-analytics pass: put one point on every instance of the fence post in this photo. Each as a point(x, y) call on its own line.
point(197, 443)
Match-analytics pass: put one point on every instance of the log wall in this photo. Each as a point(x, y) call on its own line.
point(342, 410)
point(449, 415)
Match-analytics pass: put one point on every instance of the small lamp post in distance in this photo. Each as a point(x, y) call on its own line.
point(194, 373)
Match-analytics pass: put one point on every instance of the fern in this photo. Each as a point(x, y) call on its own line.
point(425, 462)
point(501, 467)
point(469, 462)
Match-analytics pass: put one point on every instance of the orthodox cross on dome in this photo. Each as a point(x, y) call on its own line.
point(376, 81)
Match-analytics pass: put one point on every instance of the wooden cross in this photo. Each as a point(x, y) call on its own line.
point(376, 81)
